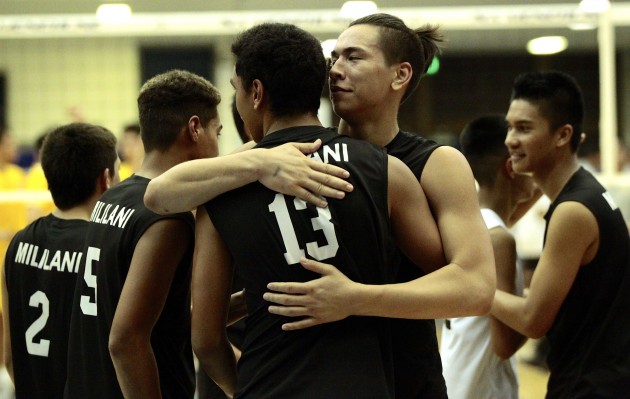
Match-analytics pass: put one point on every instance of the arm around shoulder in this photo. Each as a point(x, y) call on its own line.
point(469, 275)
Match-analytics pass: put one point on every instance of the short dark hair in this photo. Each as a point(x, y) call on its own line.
point(73, 158)
point(483, 144)
point(558, 97)
point(132, 128)
point(400, 43)
point(167, 101)
point(288, 61)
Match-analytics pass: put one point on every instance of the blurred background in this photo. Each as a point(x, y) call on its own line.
point(59, 61)
point(85, 60)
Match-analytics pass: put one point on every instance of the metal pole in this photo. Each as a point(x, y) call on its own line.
point(607, 94)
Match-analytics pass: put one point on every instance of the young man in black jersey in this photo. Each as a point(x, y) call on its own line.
point(279, 75)
point(130, 325)
point(40, 270)
point(579, 295)
point(377, 63)
point(132, 299)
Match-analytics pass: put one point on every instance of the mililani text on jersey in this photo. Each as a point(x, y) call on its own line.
point(113, 215)
point(339, 154)
point(61, 261)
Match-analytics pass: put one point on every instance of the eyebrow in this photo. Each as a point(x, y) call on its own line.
point(348, 50)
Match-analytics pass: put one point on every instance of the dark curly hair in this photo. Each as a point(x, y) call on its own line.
point(288, 61)
point(168, 100)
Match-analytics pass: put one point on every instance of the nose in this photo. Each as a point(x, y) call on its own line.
point(510, 140)
point(335, 71)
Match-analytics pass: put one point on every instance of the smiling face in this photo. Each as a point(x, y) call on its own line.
point(360, 79)
point(529, 140)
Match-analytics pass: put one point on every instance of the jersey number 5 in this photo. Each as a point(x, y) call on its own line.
point(87, 306)
point(322, 222)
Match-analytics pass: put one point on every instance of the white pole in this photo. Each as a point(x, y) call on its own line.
point(607, 94)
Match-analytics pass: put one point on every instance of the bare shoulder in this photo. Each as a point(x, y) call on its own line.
point(572, 234)
point(572, 217)
point(446, 157)
point(448, 181)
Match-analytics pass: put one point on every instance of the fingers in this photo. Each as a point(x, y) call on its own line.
point(308, 148)
point(286, 288)
point(293, 311)
point(301, 324)
point(311, 198)
point(315, 266)
point(284, 299)
point(322, 185)
point(330, 170)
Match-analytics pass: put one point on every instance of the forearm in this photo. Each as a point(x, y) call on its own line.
point(136, 370)
point(220, 365)
point(190, 184)
point(448, 292)
point(511, 310)
point(505, 341)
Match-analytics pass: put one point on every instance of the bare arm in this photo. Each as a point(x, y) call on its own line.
point(157, 255)
point(6, 328)
point(413, 226)
point(463, 287)
point(572, 241)
point(505, 341)
point(212, 279)
point(284, 169)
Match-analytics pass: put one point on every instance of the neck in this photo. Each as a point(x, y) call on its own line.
point(82, 211)
point(273, 124)
point(378, 131)
point(556, 177)
point(155, 162)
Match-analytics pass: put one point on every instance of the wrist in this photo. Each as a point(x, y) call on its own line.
point(363, 299)
point(256, 164)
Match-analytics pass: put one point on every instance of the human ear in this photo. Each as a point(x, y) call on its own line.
point(192, 128)
point(258, 93)
point(105, 180)
point(402, 77)
point(565, 132)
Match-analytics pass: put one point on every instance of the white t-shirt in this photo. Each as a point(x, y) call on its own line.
point(471, 368)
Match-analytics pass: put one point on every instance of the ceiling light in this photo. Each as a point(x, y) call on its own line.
point(594, 6)
point(582, 26)
point(113, 13)
point(547, 45)
point(358, 9)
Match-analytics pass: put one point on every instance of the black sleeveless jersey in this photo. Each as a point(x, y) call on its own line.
point(41, 268)
point(267, 233)
point(590, 337)
point(117, 223)
point(417, 360)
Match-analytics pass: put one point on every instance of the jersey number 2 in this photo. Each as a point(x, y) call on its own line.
point(38, 348)
point(322, 222)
